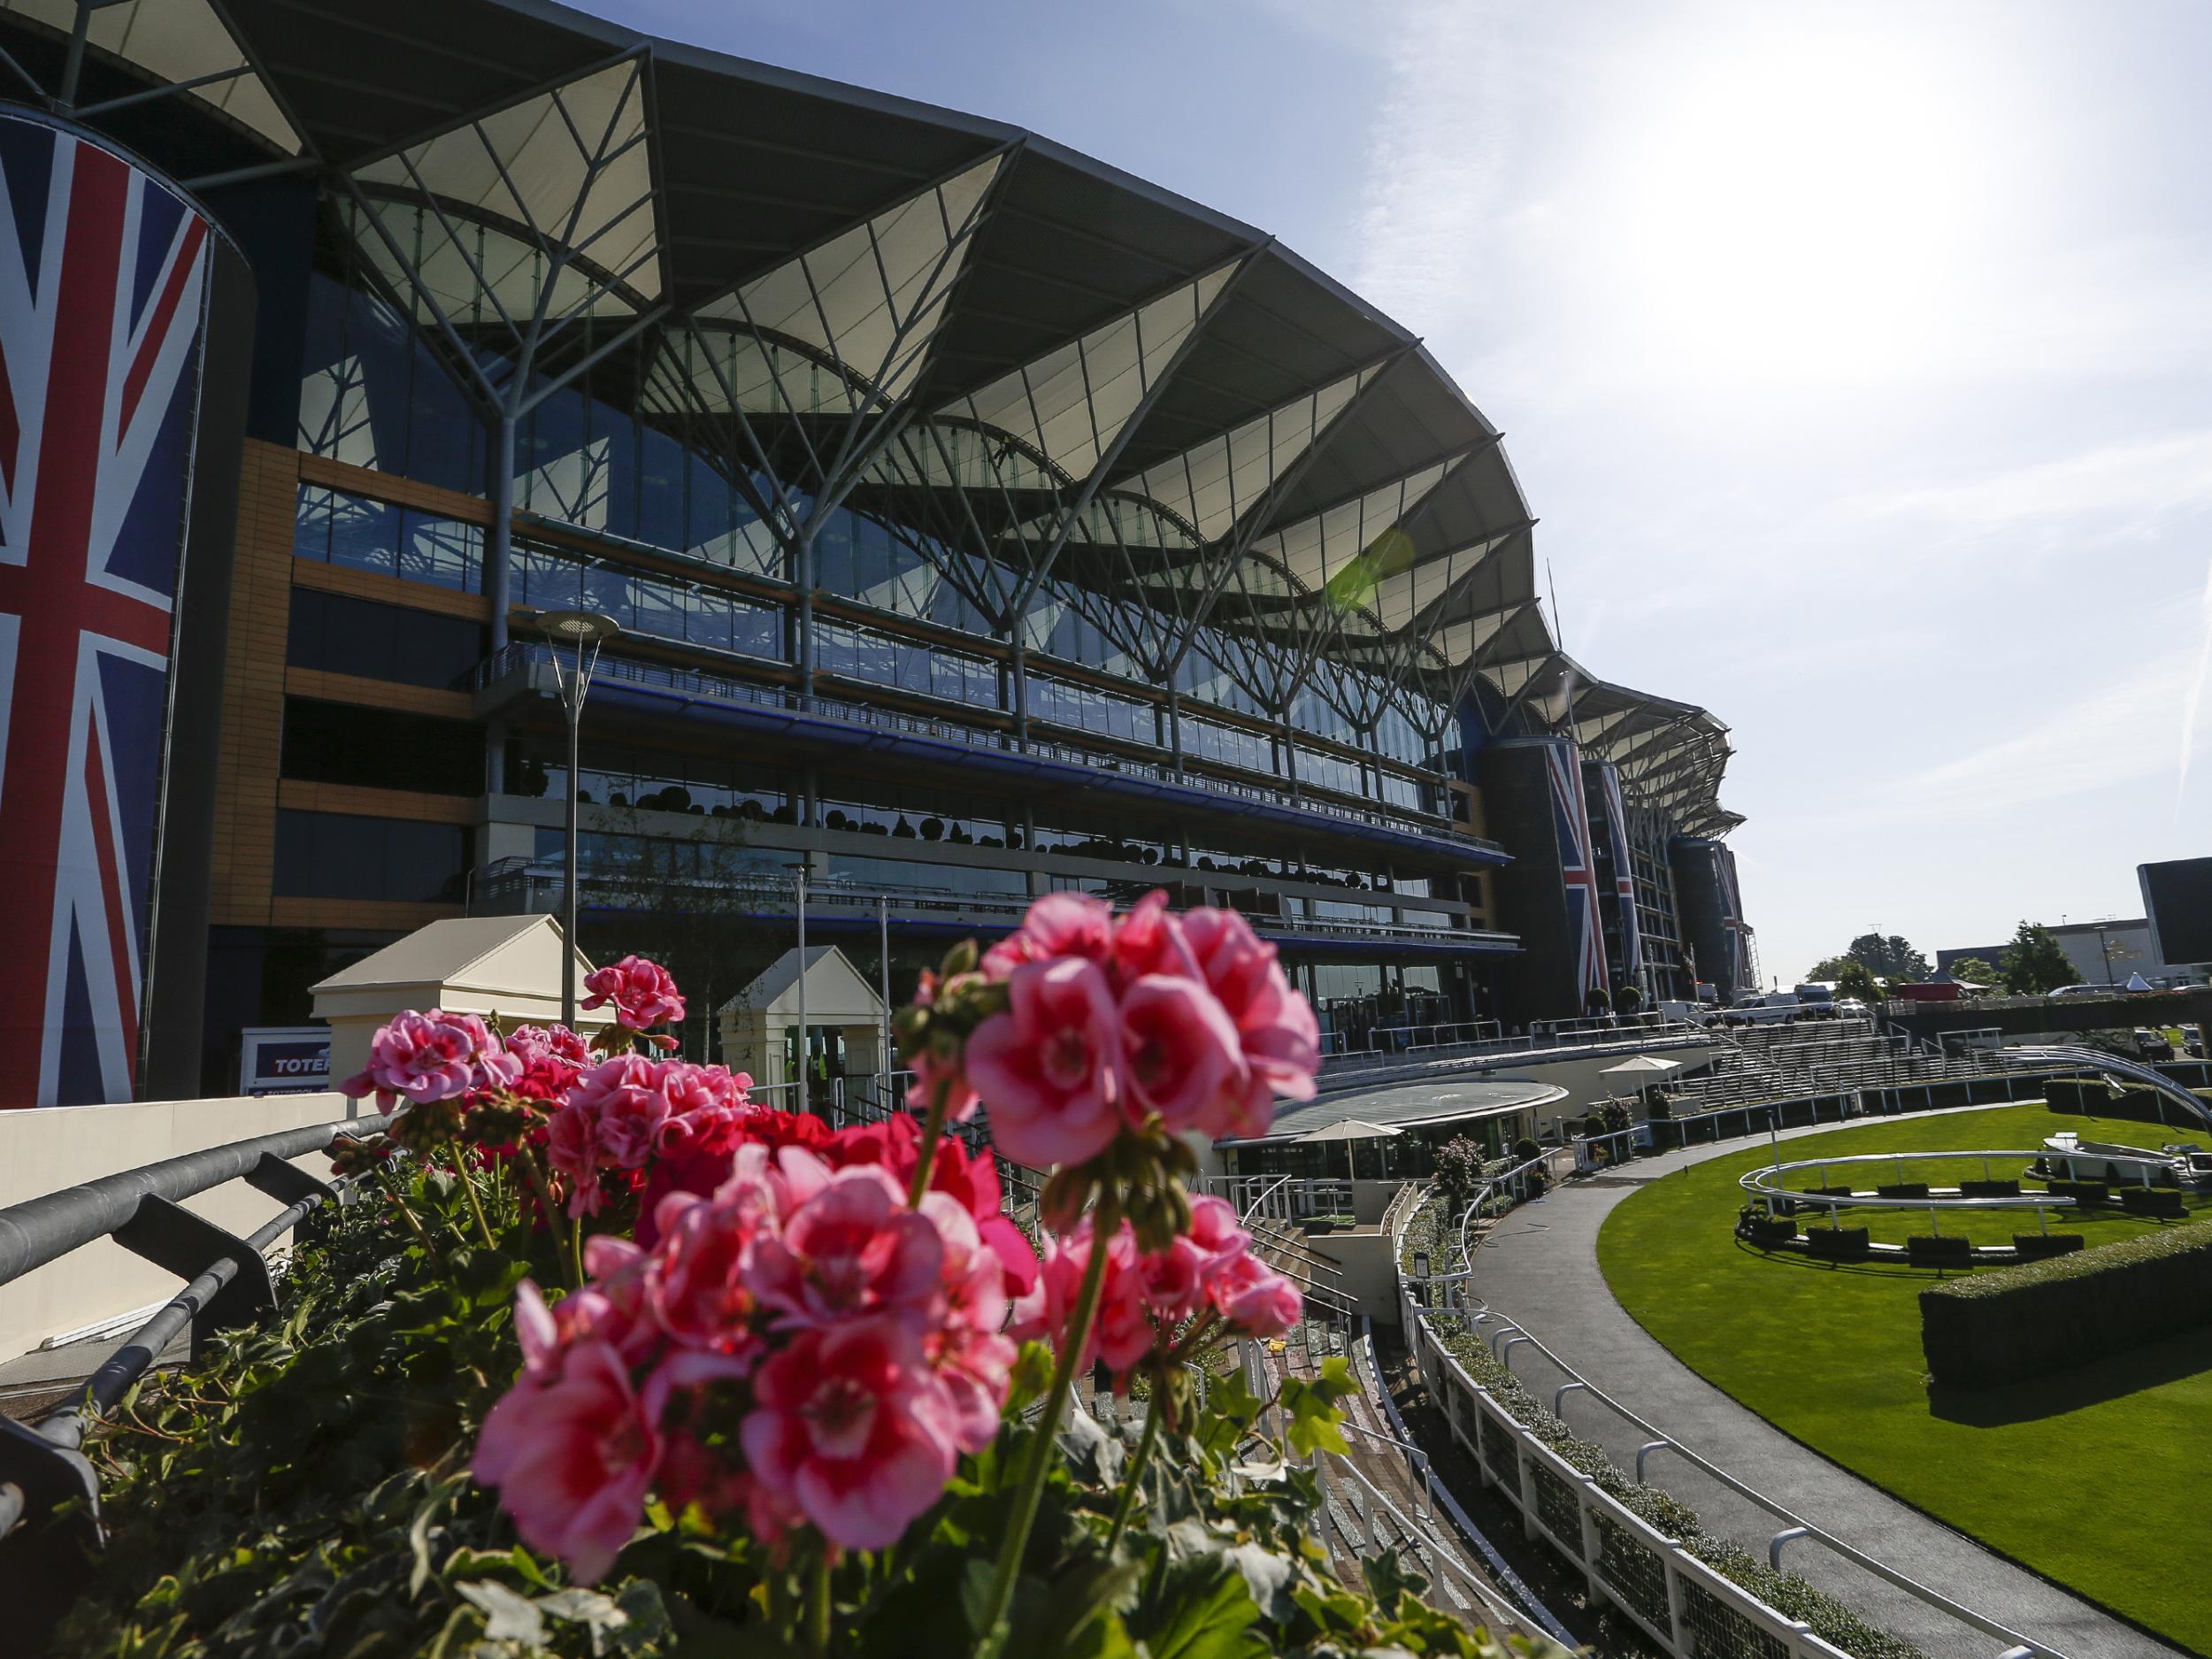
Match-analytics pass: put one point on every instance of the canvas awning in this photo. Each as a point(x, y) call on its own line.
point(1644, 1067)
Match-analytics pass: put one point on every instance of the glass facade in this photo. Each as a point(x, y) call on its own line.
point(621, 453)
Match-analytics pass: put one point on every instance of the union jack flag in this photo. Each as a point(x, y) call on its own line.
point(101, 274)
point(1608, 779)
point(1578, 871)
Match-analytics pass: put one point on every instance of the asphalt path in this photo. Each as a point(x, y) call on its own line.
point(1540, 1268)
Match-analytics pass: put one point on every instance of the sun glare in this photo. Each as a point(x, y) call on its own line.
point(1789, 205)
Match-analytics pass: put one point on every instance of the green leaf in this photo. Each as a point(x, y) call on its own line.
point(507, 1616)
point(1205, 1611)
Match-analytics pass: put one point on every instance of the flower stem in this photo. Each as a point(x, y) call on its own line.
point(1104, 1222)
point(414, 1221)
point(818, 1606)
point(1135, 1474)
point(933, 1130)
point(476, 1204)
point(576, 1247)
point(544, 1189)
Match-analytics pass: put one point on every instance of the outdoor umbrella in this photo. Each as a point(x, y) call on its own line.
point(1645, 1068)
point(1348, 1130)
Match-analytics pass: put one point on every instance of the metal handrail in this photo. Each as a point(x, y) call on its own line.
point(1794, 1524)
point(50, 1525)
point(41, 1230)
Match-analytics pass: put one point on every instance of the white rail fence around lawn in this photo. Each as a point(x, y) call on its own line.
point(1683, 1604)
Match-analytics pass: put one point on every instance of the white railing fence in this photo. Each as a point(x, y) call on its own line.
point(1678, 1601)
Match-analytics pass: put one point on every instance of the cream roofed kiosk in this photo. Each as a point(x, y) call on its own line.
point(504, 965)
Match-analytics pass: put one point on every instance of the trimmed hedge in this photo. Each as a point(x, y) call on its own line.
point(2163, 1203)
point(2067, 1310)
point(1839, 1244)
point(2035, 1246)
point(1989, 1189)
point(1933, 1249)
point(1902, 1189)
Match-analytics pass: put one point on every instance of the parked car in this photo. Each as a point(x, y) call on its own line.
point(2084, 990)
point(1686, 1013)
point(1851, 1008)
point(2153, 1045)
point(1775, 1008)
point(2193, 1041)
point(1816, 1002)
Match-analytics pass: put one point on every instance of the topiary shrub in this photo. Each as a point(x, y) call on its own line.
point(1525, 1149)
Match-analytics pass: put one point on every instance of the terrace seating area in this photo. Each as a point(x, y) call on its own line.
point(1767, 1062)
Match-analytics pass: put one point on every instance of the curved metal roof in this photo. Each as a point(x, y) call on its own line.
point(1150, 391)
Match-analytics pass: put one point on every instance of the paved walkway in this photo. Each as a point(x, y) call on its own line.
point(1540, 1268)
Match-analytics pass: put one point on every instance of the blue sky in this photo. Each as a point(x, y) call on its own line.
point(1856, 359)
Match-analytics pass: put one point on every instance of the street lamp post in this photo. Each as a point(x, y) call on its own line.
point(583, 631)
point(798, 881)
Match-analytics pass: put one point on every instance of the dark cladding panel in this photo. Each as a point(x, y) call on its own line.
point(127, 330)
point(2177, 898)
point(1537, 892)
point(1711, 912)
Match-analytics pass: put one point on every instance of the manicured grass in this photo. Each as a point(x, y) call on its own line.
point(2091, 1478)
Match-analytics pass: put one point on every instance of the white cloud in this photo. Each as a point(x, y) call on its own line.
point(2136, 487)
point(2119, 733)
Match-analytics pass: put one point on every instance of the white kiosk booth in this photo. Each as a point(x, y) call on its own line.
point(838, 1006)
point(504, 965)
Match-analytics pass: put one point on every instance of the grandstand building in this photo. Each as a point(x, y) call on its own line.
point(981, 522)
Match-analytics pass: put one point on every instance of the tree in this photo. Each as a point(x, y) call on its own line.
point(1890, 958)
point(2035, 965)
point(1828, 970)
point(1855, 978)
point(1974, 971)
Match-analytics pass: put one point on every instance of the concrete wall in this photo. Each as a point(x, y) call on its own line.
point(1583, 1078)
point(45, 1149)
point(1370, 1269)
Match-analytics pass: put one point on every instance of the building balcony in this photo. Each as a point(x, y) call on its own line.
point(521, 886)
point(814, 724)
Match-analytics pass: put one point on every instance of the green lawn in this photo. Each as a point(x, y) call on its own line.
point(2093, 1477)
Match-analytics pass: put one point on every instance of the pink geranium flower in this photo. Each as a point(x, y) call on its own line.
point(1050, 1066)
point(643, 993)
point(1183, 1059)
point(1254, 1297)
point(1057, 925)
point(573, 1456)
point(850, 1249)
point(627, 1106)
point(1276, 1029)
point(854, 1428)
point(432, 1057)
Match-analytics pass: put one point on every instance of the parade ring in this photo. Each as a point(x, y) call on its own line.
point(1776, 1230)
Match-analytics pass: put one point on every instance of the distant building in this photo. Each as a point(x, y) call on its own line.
point(2086, 945)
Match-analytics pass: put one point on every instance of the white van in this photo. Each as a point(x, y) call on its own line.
point(1686, 1013)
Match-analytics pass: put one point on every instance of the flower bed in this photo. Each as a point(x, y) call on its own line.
point(612, 1360)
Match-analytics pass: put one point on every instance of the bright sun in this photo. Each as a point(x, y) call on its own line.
point(1788, 204)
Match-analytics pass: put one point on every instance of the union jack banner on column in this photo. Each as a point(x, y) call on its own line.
point(1608, 779)
point(102, 271)
point(1578, 871)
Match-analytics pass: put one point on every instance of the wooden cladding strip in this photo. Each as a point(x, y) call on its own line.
point(359, 801)
point(390, 487)
point(394, 916)
point(390, 590)
point(378, 694)
point(253, 687)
